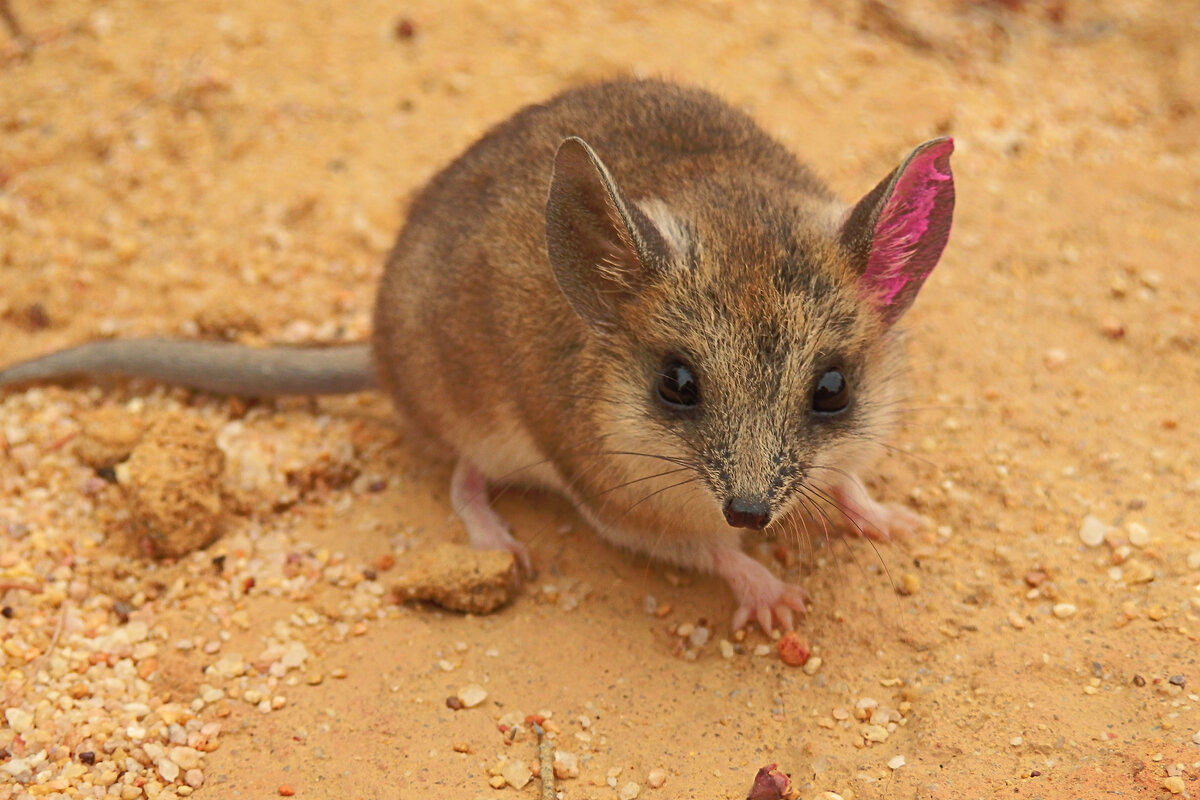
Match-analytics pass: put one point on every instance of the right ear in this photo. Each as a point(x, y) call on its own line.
point(895, 235)
point(603, 249)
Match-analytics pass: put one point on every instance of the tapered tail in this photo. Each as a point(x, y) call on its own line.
point(216, 367)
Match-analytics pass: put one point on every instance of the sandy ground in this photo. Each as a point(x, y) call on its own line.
point(239, 169)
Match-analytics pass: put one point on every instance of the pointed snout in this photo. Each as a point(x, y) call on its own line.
point(743, 513)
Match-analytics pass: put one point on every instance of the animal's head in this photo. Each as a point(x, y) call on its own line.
point(747, 338)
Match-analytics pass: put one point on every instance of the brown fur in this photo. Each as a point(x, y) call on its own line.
point(546, 278)
point(760, 297)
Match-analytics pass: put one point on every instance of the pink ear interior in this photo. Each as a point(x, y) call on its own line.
point(912, 229)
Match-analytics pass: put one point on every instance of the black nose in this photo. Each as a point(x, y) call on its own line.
point(742, 513)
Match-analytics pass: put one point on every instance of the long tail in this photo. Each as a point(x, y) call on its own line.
point(217, 367)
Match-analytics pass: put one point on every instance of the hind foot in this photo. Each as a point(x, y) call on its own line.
point(486, 529)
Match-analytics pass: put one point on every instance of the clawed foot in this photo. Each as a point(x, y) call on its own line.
point(485, 528)
point(880, 522)
point(760, 595)
point(769, 601)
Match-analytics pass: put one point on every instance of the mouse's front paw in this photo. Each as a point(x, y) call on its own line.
point(760, 595)
point(775, 604)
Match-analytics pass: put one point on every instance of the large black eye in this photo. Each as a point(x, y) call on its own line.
point(832, 392)
point(677, 385)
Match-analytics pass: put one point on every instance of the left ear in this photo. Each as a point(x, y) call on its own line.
point(603, 249)
point(896, 233)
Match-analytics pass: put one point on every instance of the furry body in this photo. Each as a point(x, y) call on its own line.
point(533, 336)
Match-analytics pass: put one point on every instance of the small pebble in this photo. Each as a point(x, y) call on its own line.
point(472, 696)
point(1193, 559)
point(1196, 737)
point(168, 769)
point(1113, 328)
point(1054, 358)
point(726, 648)
point(896, 762)
point(1035, 578)
point(286, 790)
point(186, 757)
point(793, 650)
point(1064, 610)
point(566, 765)
point(1092, 531)
point(1138, 535)
point(516, 774)
point(405, 29)
point(812, 665)
point(1174, 784)
point(875, 733)
point(658, 776)
point(19, 720)
point(910, 584)
point(1137, 572)
point(629, 791)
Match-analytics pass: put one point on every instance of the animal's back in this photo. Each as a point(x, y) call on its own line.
point(472, 334)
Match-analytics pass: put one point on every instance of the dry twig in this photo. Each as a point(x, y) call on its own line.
point(546, 759)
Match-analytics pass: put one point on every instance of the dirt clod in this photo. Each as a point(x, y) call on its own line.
point(108, 437)
point(458, 578)
point(171, 482)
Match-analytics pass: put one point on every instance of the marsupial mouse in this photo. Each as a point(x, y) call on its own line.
point(632, 295)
